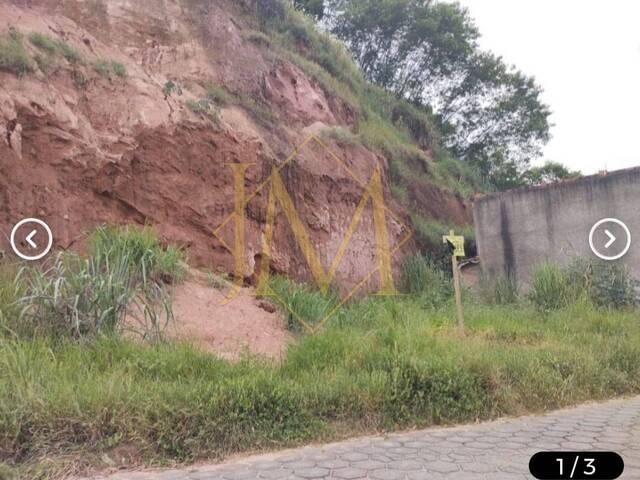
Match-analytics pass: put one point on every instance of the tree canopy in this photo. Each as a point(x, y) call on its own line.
point(490, 114)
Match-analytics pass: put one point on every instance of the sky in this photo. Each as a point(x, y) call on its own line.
point(586, 57)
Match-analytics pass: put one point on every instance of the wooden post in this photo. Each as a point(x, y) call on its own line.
point(456, 287)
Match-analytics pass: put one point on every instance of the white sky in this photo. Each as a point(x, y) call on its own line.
point(586, 56)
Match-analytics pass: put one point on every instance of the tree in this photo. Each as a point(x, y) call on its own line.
point(490, 114)
point(550, 172)
point(314, 8)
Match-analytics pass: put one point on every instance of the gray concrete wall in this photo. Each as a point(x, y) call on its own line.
point(515, 230)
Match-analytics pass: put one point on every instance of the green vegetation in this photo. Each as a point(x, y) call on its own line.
point(141, 248)
point(550, 288)
point(489, 114)
point(73, 388)
point(428, 235)
point(218, 96)
point(121, 279)
point(301, 302)
point(44, 42)
point(386, 123)
point(107, 67)
point(118, 69)
point(51, 46)
point(342, 136)
point(422, 276)
point(68, 52)
point(206, 108)
point(501, 290)
point(605, 284)
point(44, 62)
point(258, 38)
point(381, 364)
point(13, 55)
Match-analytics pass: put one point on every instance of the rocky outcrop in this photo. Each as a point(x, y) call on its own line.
point(82, 144)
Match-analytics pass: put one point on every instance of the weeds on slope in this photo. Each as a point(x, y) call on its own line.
point(119, 285)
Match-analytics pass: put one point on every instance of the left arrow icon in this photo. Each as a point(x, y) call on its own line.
point(29, 239)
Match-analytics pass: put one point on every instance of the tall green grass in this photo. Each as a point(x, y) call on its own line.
point(550, 287)
point(607, 285)
point(119, 286)
point(380, 364)
point(303, 306)
point(421, 275)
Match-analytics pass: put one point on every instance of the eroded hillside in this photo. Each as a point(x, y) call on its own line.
point(135, 111)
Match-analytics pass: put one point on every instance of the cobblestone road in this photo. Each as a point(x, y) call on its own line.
point(490, 451)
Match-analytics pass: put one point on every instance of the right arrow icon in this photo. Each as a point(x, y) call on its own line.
point(612, 239)
point(605, 244)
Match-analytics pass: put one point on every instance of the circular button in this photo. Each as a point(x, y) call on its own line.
point(610, 239)
point(31, 239)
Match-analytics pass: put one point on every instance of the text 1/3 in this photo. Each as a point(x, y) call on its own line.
point(576, 465)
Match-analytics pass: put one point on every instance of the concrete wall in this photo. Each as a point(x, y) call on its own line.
point(516, 230)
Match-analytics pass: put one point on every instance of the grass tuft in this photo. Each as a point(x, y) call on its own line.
point(13, 55)
point(107, 67)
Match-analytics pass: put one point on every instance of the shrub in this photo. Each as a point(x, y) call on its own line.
point(550, 287)
point(118, 69)
point(206, 108)
point(258, 38)
point(105, 67)
point(141, 248)
point(217, 94)
point(342, 135)
point(612, 286)
point(608, 285)
point(421, 275)
point(102, 67)
point(301, 302)
point(77, 297)
point(44, 42)
point(170, 87)
point(13, 55)
point(503, 290)
point(68, 52)
point(119, 286)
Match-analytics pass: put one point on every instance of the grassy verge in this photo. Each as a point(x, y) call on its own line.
point(75, 392)
point(380, 364)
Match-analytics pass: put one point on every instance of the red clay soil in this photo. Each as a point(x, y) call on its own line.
point(227, 329)
point(79, 147)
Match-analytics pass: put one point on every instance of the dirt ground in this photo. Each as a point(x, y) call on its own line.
point(245, 323)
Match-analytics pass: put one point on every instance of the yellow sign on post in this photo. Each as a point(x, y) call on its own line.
point(458, 251)
point(458, 244)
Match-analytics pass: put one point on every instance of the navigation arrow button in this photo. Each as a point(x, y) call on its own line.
point(612, 239)
point(29, 239)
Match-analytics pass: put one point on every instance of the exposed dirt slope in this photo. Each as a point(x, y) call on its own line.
point(82, 144)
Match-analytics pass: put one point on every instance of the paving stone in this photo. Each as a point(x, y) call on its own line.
point(386, 474)
point(276, 473)
point(491, 451)
point(313, 472)
point(349, 473)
